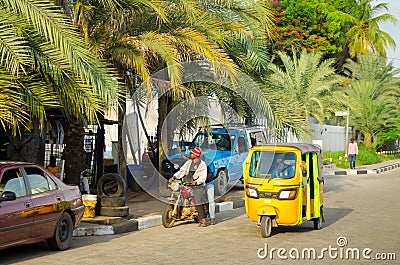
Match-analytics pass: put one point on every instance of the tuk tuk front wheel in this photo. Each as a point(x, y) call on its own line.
point(266, 226)
point(317, 223)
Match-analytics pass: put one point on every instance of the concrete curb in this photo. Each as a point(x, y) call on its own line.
point(349, 172)
point(142, 222)
point(386, 168)
point(361, 171)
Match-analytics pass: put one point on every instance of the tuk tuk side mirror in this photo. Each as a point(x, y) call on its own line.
point(303, 167)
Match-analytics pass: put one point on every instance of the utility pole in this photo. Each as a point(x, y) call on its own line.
point(347, 114)
point(347, 131)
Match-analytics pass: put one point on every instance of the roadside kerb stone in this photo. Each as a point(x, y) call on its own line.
point(142, 222)
point(349, 172)
point(386, 168)
point(95, 230)
point(149, 221)
point(223, 206)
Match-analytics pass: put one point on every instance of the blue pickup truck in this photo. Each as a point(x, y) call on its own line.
point(226, 147)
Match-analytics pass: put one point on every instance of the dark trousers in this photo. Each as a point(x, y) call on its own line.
point(88, 160)
point(199, 199)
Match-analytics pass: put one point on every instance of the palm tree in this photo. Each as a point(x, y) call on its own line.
point(364, 34)
point(302, 83)
point(372, 94)
point(227, 34)
point(45, 64)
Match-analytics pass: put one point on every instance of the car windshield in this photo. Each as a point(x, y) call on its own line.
point(272, 165)
point(215, 141)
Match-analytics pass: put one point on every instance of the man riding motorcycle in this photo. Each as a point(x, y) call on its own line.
point(195, 171)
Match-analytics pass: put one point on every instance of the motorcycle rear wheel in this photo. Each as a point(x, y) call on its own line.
point(168, 219)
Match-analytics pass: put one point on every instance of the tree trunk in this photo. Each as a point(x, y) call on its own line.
point(164, 107)
point(99, 153)
point(74, 153)
point(342, 59)
point(29, 147)
point(121, 138)
point(368, 139)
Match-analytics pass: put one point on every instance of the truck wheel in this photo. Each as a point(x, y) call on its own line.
point(115, 211)
point(266, 226)
point(221, 182)
point(168, 219)
point(112, 201)
point(111, 185)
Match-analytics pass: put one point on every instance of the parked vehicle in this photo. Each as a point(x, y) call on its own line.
point(226, 146)
point(181, 205)
point(284, 185)
point(35, 205)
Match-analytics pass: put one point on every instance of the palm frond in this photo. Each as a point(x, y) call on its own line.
point(14, 49)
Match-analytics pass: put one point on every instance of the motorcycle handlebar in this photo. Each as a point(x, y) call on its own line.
point(184, 183)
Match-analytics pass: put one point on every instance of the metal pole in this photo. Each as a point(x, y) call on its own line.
point(347, 130)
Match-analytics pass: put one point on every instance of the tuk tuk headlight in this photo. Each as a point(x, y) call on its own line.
point(287, 194)
point(251, 192)
point(176, 166)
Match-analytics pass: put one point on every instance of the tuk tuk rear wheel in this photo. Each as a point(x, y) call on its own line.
point(317, 223)
point(266, 226)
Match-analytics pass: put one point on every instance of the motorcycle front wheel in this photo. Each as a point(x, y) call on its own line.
point(168, 218)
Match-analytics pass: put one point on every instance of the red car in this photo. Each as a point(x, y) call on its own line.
point(35, 205)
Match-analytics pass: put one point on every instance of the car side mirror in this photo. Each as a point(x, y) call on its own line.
point(8, 196)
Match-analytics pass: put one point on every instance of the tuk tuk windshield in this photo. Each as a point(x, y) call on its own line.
point(272, 165)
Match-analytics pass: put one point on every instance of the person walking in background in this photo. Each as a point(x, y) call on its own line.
point(88, 145)
point(352, 152)
point(52, 166)
point(84, 183)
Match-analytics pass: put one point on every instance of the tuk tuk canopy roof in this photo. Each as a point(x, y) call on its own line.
point(303, 147)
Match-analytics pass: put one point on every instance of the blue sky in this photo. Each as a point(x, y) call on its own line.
point(393, 30)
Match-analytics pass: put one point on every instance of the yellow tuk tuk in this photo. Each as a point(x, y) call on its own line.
point(283, 185)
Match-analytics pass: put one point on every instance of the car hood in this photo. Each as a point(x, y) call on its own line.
point(210, 155)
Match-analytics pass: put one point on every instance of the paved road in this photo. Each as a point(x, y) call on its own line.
point(363, 209)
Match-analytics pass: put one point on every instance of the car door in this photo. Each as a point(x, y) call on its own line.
point(16, 218)
point(232, 159)
point(46, 198)
point(243, 149)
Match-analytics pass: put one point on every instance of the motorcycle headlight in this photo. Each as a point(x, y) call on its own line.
point(251, 192)
point(287, 194)
point(176, 166)
point(174, 186)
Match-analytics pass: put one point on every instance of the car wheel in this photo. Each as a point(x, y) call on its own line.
point(112, 201)
point(221, 183)
point(111, 185)
point(266, 226)
point(168, 219)
point(63, 234)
